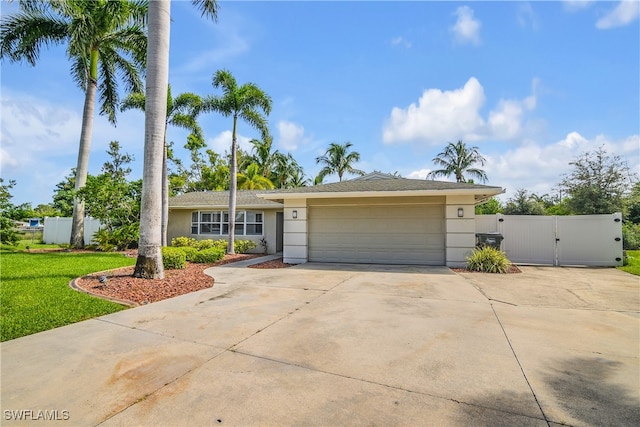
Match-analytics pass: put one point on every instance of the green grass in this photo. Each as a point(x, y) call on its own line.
point(633, 266)
point(35, 243)
point(35, 294)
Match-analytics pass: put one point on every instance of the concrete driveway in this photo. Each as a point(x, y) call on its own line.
point(332, 344)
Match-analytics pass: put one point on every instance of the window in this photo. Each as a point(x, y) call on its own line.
point(248, 223)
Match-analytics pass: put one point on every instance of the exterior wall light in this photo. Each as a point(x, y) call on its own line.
point(460, 212)
point(294, 214)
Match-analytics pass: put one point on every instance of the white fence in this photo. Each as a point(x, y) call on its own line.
point(593, 240)
point(58, 230)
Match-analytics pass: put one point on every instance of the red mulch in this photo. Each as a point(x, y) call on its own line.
point(276, 263)
point(121, 285)
point(513, 269)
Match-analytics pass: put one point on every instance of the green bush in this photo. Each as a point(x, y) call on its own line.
point(208, 256)
point(189, 251)
point(204, 244)
point(173, 258)
point(118, 239)
point(488, 260)
point(243, 246)
point(183, 241)
point(631, 236)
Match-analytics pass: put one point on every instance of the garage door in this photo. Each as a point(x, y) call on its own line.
point(391, 234)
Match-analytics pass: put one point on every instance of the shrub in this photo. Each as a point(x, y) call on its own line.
point(221, 244)
point(243, 246)
point(631, 236)
point(189, 252)
point(488, 260)
point(208, 256)
point(118, 239)
point(173, 258)
point(204, 244)
point(183, 241)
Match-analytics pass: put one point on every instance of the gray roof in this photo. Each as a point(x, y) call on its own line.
point(388, 184)
point(220, 199)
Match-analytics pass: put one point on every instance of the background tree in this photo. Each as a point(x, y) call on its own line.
point(105, 42)
point(181, 112)
point(459, 160)
point(8, 234)
point(252, 179)
point(263, 156)
point(286, 171)
point(490, 207)
point(115, 201)
point(239, 102)
point(339, 160)
point(523, 203)
point(597, 184)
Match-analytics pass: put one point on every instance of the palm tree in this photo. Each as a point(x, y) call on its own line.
point(242, 102)
point(105, 41)
point(253, 180)
point(286, 169)
point(149, 262)
point(339, 160)
point(181, 112)
point(458, 159)
point(263, 156)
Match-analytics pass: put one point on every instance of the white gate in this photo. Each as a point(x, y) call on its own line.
point(593, 240)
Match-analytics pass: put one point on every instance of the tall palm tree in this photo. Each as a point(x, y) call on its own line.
point(181, 112)
point(242, 102)
point(105, 42)
point(339, 160)
point(149, 262)
point(458, 159)
point(253, 180)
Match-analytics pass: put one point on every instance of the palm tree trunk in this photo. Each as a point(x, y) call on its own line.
point(233, 185)
point(82, 169)
point(149, 263)
point(165, 195)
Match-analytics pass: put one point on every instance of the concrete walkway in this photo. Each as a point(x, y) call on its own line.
point(332, 344)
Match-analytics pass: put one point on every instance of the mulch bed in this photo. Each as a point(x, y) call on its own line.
point(276, 263)
point(120, 285)
point(513, 269)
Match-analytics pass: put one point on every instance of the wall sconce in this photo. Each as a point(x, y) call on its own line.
point(460, 212)
point(294, 214)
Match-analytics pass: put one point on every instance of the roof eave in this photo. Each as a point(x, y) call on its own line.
point(226, 206)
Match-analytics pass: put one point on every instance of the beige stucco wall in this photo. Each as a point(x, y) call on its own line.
point(461, 231)
point(295, 250)
point(180, 225)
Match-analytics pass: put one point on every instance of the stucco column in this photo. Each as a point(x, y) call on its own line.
point(295, 239)
point(460, 230)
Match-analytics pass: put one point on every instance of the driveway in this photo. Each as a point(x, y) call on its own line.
point(338, 344)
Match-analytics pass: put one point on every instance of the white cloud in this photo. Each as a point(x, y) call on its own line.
point(450, 115)
point(624, 13)
point(467, 28)
point(539, 168)
point(576, 5)
point(419, 174)
point(526, 16)
point(221, 143)
point(7, 160)
point(290, 135)
point(401, 41)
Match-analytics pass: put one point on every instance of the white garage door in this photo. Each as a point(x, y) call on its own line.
point(405, 234)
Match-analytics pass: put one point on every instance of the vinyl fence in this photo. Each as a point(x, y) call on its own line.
point(58, 230)
point(592, 240)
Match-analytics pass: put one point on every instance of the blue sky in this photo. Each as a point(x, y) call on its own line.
point(531, 84)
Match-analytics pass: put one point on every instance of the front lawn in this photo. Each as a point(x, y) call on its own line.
point(633, 265)
point(35, 294)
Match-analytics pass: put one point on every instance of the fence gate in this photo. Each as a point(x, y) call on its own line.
point(593, 240)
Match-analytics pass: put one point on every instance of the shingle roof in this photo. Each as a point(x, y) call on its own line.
point(220, 199)
point(387, 184)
